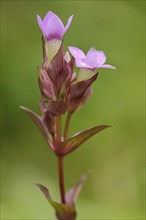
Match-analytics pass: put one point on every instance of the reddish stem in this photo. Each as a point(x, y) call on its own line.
point(60, 160)
point(61, 179)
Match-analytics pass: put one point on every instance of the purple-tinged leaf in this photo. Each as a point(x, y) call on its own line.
point(63, 211)
point(74, 142)
point(75, 104)
point(77, 90)
point(45, 84)
point(64, 76)
point(79, 93)
point(40, 124)
point(73, 193)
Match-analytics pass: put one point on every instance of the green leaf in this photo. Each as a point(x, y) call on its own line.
point(74, 142)
point(40, 124)
point(63, 211)
point(73, 193)
point(45, 191)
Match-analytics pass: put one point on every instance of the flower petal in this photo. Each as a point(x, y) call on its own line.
point(54, 28)
point(91, 58)
point(91, 52)
point(107, 66)
point(100, 57)
point(68, 24)
point(48, 17)
point(76, 52)
point(82, 64)
point(41, 25)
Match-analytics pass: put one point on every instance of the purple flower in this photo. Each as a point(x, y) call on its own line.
point(52, 27)
point(94, 59)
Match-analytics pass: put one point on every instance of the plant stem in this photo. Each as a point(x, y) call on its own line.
point(61, 179)
point(67, 125)
point(60, 160)
point(58, 130)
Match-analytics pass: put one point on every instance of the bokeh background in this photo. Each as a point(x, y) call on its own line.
point(115, 190)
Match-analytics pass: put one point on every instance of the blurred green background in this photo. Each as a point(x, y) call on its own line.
point(115, 190)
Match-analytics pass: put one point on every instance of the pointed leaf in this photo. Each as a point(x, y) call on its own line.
point(64, 76)
point(79, 93)
point(63, 212)
point(75, 104)
point(78, 89)
point(39, 122)
point(74, 142)
point(73, 193)
point(44, 190)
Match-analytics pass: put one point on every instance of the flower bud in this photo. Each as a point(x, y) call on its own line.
point(45, 84)
point(79, 93)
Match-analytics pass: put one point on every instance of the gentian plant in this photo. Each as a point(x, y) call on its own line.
point(64, 91)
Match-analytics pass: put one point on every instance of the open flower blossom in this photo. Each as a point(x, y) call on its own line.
point(52, 27)
point(93, 60)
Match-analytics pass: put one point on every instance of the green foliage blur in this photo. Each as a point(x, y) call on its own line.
point(115, 189)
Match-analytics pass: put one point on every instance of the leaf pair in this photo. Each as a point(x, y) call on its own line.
point(69, 145)
point(65, 211)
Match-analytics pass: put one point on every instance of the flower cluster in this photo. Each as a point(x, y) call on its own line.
point(63, 90)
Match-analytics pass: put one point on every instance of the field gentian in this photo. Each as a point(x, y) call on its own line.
point(93, 60)
point(88, 63)
point(52, 27)
point(53, 31)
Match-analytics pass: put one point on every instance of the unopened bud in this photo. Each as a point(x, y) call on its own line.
point(45, 84)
